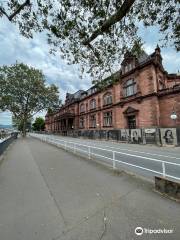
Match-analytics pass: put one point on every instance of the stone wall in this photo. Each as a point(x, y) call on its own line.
point(170, 188)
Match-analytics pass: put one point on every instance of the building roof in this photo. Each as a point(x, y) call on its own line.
point(142, 59)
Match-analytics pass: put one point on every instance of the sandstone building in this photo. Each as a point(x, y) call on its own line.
point(143, 96)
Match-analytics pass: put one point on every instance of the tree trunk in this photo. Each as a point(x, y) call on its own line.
point(24, 127)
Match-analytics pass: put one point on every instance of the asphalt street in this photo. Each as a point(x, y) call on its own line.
point(144, 156)
point(47, 193)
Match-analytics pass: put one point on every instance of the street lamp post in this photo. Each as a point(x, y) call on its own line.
point(174, 116)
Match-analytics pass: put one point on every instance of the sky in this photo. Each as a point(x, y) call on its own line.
point(35, 52)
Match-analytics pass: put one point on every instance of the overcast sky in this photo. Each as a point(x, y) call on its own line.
point(35, 52)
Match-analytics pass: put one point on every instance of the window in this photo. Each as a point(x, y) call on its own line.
point(81, 122)
point(130, 88)
point(93, 121)
point(82, 108)
point(131, 122)
point(126, 69)
point(107, 99)
point(89, 92)
point(161, 83)
point(129, 66)
point(107, 119)
point(93, 90)
point(93, 104)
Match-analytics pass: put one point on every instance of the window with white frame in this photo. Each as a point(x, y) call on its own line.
point(107, 99)
point(108, 119)
point(82, 108)
point(93, 121)
point(130, 88)
point(126, 68)
point(93, 104)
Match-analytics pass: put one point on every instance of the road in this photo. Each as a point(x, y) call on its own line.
point(144, 156)
point(47, 193)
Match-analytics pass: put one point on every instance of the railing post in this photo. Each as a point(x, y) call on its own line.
point(114, 161)
point(74, 148)
point(164, 169)
point(65, 145)
point(89, 152)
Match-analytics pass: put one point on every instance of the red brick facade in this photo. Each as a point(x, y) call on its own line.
point(143, 96)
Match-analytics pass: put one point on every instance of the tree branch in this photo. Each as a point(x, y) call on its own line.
point(121, 12)
point(41, 109)
point(95, 52)
point(18, 10)
point(3, 12)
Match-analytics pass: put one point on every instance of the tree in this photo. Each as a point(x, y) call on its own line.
point(94, 34)
point(39, 124)
point(18, 124)
point(24, 92)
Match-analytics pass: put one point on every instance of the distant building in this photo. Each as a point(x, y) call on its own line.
point(143, 96)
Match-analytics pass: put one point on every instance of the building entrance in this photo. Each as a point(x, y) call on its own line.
point(131, 122)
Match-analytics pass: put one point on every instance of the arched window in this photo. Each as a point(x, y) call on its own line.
point(93, 104)
point(107, 99)
point(130, 88)
point(126, 68)
point(161, 83)
point(82, 108)
point(107, 119)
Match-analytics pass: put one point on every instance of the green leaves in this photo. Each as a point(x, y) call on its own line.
point(70, 24)
point(39, 124)
point(23, 91)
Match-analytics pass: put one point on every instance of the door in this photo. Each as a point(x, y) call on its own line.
point(131, 122)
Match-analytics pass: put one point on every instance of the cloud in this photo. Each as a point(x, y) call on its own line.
point(35, 52)
point(151, 36)
point(173, 59)
point(170, 57)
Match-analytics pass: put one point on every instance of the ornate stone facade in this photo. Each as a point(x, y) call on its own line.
point(143, 96)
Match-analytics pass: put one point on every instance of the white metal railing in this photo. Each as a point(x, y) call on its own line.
point(74, 146)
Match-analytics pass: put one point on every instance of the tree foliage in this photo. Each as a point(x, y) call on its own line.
point(23, 92)
point(18, 124)
point(39, 124)
point(94, 34)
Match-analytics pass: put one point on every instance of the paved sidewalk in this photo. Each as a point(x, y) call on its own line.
point(49, 194)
